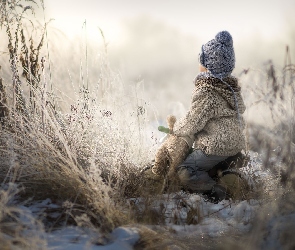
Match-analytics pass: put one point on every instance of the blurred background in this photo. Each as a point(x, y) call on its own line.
point(154, 45)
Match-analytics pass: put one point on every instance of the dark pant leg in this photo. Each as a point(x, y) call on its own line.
point(193, 171)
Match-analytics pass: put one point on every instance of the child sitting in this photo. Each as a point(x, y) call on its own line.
point(213, 125)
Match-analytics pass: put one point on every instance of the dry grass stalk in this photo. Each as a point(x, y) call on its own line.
point(69, 156)
point(3, 103)
point(18, 229)
point(91, 156)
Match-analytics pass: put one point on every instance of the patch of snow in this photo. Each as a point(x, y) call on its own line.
point(125, 237)
point(279, 231)
point(184, 213)
point(209, 219)
point(75, 238)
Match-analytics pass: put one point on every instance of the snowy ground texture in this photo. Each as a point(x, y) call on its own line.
point(73, 237)
point(185, 215)
point(214, 220)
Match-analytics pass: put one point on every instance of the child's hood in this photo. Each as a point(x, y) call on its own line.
point(224, 88)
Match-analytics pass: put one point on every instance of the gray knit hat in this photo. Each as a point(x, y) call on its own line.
point(218, 55)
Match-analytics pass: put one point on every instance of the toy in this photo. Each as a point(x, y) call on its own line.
point(172, 151)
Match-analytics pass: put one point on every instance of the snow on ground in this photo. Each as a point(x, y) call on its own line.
point(186, 214)
point(213, 220)
point(75, 238)
point(277, 234)
point(192, 214)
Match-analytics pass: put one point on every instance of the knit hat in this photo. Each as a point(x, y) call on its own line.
point(218, 55)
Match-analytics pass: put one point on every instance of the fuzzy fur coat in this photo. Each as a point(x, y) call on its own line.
point(212, 123)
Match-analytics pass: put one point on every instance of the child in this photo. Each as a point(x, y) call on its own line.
point(213, 125)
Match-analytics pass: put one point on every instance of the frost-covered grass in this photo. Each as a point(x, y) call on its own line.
point(70, 168)
point(18, 228)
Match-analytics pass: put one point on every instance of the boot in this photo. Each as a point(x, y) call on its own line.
point(217, 194)
point(233, 162)
point(236, 186)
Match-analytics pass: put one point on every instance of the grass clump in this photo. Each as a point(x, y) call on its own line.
point(84, 156)
point(89, 154)
point(18, 229)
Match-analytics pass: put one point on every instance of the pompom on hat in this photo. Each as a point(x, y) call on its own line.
point(218, 55)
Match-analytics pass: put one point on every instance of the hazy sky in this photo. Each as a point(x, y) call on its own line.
point(203, 19)
point(159, 40)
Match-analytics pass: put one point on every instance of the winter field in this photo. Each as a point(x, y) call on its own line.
point(70, 163)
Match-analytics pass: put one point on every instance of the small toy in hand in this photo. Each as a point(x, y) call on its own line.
point(172, 151)
point(171, 119)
